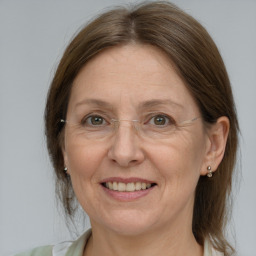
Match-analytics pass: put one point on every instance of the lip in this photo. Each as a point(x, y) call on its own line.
point(127, 180)
point(127, 196)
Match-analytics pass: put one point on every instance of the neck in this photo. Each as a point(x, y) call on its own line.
point(171, 242)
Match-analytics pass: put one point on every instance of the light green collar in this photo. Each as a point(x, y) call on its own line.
point(77, 247)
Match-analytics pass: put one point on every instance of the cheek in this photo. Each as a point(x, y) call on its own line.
point(83, 162)
point(180, 161)
point(82, 159)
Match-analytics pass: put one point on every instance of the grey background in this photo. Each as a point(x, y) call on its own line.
point(33, 35)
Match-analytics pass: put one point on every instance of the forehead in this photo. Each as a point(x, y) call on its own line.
point(130, 74)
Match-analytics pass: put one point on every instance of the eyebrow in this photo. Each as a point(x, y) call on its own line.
point(142, 105)
point(96, 102)
point(158, 102)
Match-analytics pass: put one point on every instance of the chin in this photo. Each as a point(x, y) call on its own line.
point(129, 223)
point(130, 230)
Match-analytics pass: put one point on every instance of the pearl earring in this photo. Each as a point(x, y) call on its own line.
point(209, 169)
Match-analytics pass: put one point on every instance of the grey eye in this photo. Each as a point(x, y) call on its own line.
point(159, 120)
point(95, 121)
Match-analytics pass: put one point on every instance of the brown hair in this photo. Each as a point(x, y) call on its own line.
point(198, 62)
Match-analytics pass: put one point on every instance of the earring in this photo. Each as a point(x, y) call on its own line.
point(209, 169)
point(66, 170)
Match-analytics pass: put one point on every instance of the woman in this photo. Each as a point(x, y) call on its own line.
point(142, 130)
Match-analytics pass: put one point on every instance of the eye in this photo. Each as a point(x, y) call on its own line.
point(161, 120)
point(94, 120)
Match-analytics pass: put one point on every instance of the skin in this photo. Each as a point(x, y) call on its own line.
point(159, 223)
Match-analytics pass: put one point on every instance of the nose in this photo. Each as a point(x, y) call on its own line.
point(125, 149)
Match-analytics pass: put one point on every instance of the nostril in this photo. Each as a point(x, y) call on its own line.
point(125, 150)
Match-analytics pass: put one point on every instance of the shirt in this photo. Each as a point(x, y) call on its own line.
point(76, 248)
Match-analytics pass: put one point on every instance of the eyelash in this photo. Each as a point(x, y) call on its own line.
point(169, 120)
point(149, 117)
point(91, 115)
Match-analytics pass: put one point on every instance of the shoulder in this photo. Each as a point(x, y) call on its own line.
point(209, 249)
point(67, 248)
point(216, 253)
point(40, 251)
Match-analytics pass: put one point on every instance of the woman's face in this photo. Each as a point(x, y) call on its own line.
point(133, 181)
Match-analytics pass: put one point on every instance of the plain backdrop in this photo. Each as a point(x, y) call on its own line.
point(33, 35)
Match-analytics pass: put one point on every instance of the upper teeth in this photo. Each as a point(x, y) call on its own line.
point(129, 187)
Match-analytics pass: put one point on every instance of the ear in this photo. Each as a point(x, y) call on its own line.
point(217, 139)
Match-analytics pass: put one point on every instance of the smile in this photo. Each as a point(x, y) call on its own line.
point(127, 187)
